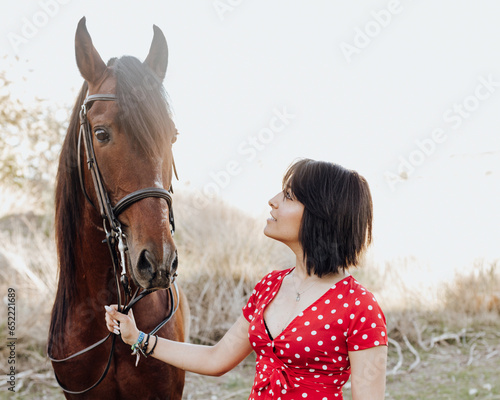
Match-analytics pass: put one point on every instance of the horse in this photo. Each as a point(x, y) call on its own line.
point(112, 210)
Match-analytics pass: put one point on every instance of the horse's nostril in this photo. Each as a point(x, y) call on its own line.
point(175, 262)
point(145, 264)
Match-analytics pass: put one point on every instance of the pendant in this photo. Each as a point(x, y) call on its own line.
point(298, 297)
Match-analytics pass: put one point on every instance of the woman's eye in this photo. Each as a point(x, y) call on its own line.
point(287, 195)
point(101, 135)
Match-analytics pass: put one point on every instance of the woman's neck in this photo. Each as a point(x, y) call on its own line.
point(301, 274)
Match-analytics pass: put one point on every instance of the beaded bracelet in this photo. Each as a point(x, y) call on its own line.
point(135, 346)
point(145, 345)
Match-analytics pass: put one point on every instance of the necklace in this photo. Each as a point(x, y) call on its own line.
point(297, 298)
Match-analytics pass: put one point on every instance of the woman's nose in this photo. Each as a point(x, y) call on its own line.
point(273, 202)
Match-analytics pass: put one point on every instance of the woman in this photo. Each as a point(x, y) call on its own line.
point(311, 326)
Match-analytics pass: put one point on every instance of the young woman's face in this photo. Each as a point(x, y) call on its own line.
point(286, 215)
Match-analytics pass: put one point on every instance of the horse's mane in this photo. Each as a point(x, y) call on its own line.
point(144, 115)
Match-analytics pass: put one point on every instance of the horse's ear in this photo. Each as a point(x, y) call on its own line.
point(157, 58)
point(88, 59)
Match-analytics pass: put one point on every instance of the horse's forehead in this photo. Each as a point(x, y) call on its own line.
point(101, 111)
point(106, 85)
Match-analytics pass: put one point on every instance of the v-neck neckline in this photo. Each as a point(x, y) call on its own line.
point(300, 314)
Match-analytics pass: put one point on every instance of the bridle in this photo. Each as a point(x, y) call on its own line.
point(115, 238)
point(109, 214)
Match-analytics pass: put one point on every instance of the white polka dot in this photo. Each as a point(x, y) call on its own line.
point(297, 355)
point(334, 338)
point(339, 321)
point(351, 316)
point(316, 359)
point(314, 333)
point(365, 336)
point(340, 358)
point(376, 342)
point(356, 347)
point(304, 395)
point(370, 307)
point(380, 316)
point(327, 326)
point(340, 296)
point(324, 367)
point(382, 333)
point(334, 311)
point(327, 301)
point(299, 338)
point(374, 325)
point(307, 349)
point(320, 343)
point(287, 345)
point(294, 329)
point(306, 323)
point(351, 291)
point(320, 317)
point(314, 308)
point(357, 302)
point(363, 319)
point(355, 331)
point(337, 348)
point(346, 305)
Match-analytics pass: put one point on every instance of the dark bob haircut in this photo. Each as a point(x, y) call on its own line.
point(336, 226)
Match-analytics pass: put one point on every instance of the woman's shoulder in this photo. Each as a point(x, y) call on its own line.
point(353, 286)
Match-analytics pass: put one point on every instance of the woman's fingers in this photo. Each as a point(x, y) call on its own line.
point(111, 323)
point(121, 324)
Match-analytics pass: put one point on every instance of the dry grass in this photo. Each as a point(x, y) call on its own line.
point(223, 253)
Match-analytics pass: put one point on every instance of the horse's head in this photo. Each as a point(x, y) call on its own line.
point(132, 139)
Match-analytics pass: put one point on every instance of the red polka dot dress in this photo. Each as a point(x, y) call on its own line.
point(309, 359)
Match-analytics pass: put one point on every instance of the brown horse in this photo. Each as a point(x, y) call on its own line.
point(130, 140)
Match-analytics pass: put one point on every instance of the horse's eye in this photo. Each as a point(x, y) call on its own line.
point(101, 135)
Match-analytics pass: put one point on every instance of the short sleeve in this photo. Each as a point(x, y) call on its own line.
point(251, 307)
point(367, 327)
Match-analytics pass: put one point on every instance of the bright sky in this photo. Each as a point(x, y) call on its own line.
point(388, 88)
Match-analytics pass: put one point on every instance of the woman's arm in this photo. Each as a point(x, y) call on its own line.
point(207, 360)
point(368, 373)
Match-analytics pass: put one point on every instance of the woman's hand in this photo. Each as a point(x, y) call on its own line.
point(119, 323)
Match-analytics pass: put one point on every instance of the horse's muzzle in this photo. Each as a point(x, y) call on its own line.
point(151, 273)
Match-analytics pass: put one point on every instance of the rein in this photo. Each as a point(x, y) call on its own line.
point(115, 238)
